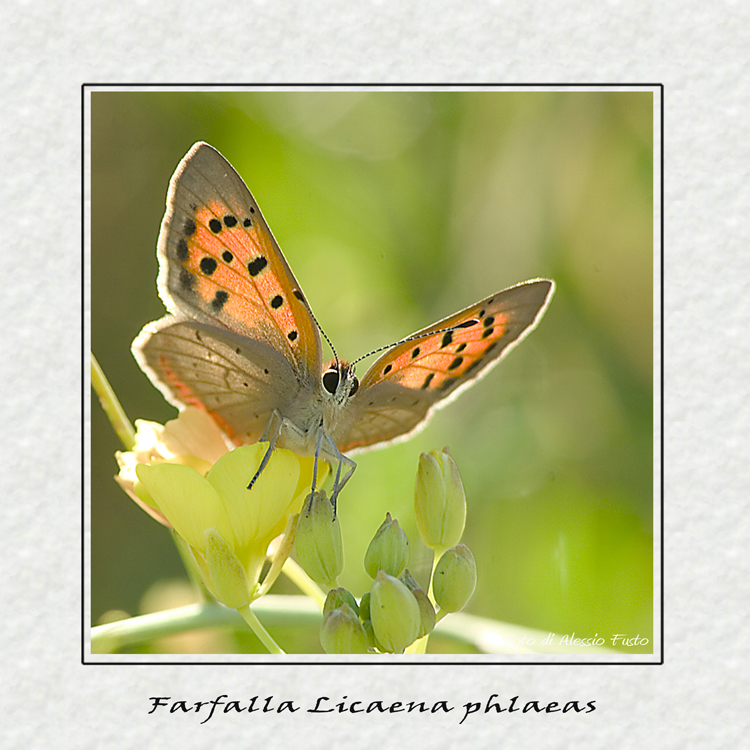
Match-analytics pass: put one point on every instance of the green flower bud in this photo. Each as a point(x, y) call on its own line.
point(364, 607)
point(439, 500)
point(372, 641)
point(337, 597)
point(318, 541)
point(455, 578)
point(426, 610)
point(388, 550)
point(394, 613)
point(342, 632)
point(226, 572)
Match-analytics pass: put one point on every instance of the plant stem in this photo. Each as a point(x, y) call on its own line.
point(304, 583)
point(111, 405)
point(487, 636)
point(255, 624)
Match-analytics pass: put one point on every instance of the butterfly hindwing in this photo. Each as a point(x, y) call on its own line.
point(220, 264)
point(237, 380)
point(434, 365)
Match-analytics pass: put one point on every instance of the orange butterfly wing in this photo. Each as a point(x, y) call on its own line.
point(398, 393)
point(241, 342)
point(219, 262)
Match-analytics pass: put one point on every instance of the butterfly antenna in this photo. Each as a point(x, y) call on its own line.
point(415, 337)
point(324, 334)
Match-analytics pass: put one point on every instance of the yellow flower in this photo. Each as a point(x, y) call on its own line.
point(193, 439)
point(187, 475)
point(226, 527)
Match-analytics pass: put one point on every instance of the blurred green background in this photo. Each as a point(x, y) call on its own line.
point(395, 209)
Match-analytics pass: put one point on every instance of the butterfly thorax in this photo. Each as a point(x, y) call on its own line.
point(324, 411)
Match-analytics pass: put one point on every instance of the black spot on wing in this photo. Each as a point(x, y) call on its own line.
point(456, 363)
point(230, 221)
point(187, 280)
point(214, 225)
point(182, 250)
point(219, 300)
point(208, 265)
point(256, 265)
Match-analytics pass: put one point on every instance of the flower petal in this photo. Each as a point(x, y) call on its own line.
point(194, 433)
point(253, 513)
point(189, 502)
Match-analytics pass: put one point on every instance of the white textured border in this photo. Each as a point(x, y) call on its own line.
point(697, 50)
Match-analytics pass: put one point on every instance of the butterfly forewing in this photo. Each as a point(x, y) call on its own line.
point(219, 262)
point(398, 391)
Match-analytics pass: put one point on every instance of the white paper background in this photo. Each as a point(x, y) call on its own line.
point(699, 51)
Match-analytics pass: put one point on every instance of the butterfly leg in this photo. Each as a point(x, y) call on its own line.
point(273, 432)
point(334, 454)
point(272, 437)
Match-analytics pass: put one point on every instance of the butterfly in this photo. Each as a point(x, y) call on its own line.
point(241, 342)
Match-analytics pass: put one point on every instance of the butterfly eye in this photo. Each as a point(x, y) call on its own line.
point(331, 380)
point(355, 386)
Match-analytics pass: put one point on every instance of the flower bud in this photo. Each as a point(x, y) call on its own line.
point(455, 578)
point(364, 606)
point(226, 572)
point(439, 500)
point(342, 632)
point(318, 541)
point(337, 597)
point(426, 610)
point(372, 641)
point(394, 613)
point(388, 550)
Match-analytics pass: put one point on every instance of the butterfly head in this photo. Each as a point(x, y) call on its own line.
point(339, 380)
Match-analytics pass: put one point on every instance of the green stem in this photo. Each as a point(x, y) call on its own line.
point(265, 637)
point(111, 405)
point(487, 636)
point(278, 611)
point(304, 583)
